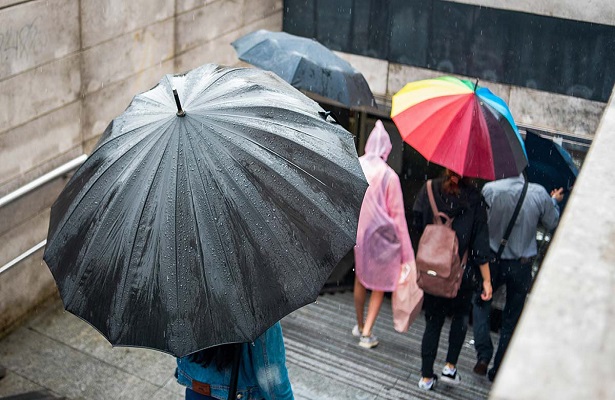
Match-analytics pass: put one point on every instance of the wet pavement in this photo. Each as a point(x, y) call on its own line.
point(58, 352)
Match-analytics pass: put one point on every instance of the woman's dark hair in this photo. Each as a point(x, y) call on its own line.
point(221, 356)
point(452, 182)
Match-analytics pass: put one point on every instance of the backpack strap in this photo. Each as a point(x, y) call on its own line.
point(511, 223)
point(437, 215)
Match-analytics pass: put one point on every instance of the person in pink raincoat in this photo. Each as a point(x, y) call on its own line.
point(383, 243)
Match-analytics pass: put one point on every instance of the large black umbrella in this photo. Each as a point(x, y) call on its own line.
point(550, 165)
point(306, 64)
point(205, 223)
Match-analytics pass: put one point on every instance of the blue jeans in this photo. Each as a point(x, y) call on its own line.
point(517, 277)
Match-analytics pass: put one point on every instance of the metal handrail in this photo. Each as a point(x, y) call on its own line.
point(61, 170)
point(23, 256)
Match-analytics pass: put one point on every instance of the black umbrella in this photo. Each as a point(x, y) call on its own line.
point(550, 165)
point(205, 223)
point(306, 64)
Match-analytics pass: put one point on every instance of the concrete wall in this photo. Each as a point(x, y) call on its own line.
point(67, 68)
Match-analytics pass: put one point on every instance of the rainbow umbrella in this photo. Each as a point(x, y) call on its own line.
point(461, 126)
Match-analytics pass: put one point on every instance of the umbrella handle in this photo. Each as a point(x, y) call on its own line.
point(180, 112)
point(232, 392)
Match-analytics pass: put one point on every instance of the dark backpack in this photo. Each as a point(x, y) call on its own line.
point(440, 270)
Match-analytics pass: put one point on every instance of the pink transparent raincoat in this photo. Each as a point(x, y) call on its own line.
point(383, 243)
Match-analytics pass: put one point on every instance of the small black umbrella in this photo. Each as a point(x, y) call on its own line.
point(550, 165)
point(204, 223)
point(306, 64)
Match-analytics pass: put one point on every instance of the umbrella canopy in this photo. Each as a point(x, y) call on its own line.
point(305, 64)
point(204, 224)
point(550, 165)
point(461, 126)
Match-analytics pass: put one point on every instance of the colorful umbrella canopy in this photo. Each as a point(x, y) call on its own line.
point(204, 221)
point(306, 64)
point(461, 126)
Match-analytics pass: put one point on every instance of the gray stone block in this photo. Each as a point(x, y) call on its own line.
point(39, 170)
point(105, 19)
point(21, 289)
point(206, 23)
point(149, 365)
point(400, 74)
point(38, 91)
point(54, 133)
point(601, 11)
point(189, 5)
point(37, 32)
point(257, 10)
point(99, 108)
point(557, 112)
point(13, 384)
point(70, 372)
point(220, 51)
point(126, 55)
point(31, 204)
point(20, 238)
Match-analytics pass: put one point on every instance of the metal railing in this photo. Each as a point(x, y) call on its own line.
point(22, 191)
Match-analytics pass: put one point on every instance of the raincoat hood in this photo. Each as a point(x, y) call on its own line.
point(378, 142)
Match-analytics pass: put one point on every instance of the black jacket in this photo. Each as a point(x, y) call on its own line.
point(470, 218)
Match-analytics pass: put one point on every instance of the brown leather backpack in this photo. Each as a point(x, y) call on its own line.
point(440, 270)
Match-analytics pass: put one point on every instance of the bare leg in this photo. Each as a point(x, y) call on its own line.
point(360, 293)
point(375, 301)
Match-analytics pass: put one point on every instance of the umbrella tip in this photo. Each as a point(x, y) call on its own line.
point(476, 84)
point(180, 112)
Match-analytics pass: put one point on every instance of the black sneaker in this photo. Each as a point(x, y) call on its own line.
point(450, 375)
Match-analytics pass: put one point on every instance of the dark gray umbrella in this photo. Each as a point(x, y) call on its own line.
point(550, 165)
point(202, 224)
point(306, 64)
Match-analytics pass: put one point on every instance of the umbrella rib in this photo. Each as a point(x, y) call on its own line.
point(271, 152)
point(142, 209)
point(280, 156)
point(208, 203)
point(175, 236)
point(291, 163)
point(104, 145)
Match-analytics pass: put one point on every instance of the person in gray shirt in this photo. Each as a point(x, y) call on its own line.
point(514, 267)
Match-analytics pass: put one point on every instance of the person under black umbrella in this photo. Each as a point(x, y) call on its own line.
point(216, 204)
point(262, 371)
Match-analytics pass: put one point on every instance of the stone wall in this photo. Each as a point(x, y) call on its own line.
point(535, 108)
point(67, 68)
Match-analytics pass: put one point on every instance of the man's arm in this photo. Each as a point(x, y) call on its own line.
point(550, 217)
